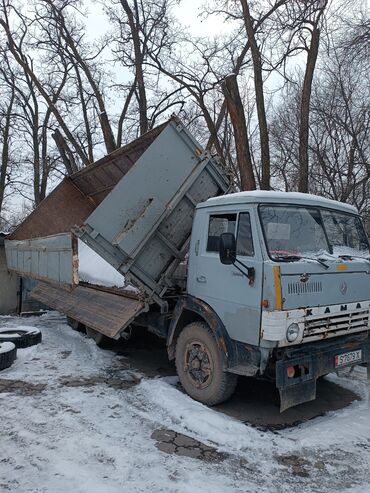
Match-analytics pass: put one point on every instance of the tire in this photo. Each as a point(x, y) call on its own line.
point(21, 337)
point(199, 366)
point(75, 324)
point(8, 354)
point(101, 340)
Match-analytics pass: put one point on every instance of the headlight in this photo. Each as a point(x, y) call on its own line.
point(292, 332)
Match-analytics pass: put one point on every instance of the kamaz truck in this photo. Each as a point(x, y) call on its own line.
point(267, 284)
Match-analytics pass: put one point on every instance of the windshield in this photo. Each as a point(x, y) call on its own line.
point(310, 231)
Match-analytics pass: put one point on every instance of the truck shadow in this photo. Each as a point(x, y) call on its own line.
point(255, 402)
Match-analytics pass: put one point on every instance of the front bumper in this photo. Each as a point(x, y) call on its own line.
point(316, 323)
point(312, 361)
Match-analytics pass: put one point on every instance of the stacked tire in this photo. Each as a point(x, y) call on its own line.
point(13, 339)
point(8, 354)
point(21, 337)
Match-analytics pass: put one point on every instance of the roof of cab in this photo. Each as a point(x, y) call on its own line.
point(267, 196)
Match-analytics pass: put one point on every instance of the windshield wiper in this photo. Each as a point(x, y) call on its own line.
point(352, 257)
point(294, 258)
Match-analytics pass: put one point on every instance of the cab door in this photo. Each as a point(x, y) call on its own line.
point(227, 290)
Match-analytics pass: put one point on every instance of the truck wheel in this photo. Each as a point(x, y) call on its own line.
point(199, 366)
point(75, 324)
point(8, 353)
point(100, 339)
point(21, 337)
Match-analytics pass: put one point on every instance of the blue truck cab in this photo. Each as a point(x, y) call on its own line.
point(287, 275)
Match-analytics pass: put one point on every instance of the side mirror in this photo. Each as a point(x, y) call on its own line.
point(227, 249)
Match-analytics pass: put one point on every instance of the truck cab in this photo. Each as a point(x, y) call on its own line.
point(287, 276)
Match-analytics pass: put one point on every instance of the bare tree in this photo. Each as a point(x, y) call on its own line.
point(260, 99)
point(313, 21)
point(339, 136)
point(15, 44)
point(6, 111)
point(71, 36)
point(142, 30)
point(236, 111)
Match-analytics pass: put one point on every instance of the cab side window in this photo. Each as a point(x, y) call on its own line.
point(244, 240)
point(218, 224)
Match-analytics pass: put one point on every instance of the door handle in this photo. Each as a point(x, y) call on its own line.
point(202, 279)
point(237, 273)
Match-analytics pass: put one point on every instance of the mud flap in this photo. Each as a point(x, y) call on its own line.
point(297, 394)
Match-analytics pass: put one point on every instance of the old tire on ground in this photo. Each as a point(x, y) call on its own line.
point(75, 324)
point(8, 353)
point(22, 337)
point(199, 366)
point(100, 339)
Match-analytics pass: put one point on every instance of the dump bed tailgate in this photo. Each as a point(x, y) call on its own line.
point(108, 313)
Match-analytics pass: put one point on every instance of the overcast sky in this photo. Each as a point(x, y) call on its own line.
point(187, 13)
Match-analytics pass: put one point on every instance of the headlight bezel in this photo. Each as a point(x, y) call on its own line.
point(292, 332)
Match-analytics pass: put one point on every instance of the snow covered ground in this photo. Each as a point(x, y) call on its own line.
point(74, 431)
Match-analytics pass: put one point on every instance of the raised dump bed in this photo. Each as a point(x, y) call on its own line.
point(134, 208)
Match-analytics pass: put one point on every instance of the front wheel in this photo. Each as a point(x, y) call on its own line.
point(199, 366)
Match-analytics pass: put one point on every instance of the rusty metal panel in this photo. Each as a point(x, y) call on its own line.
point(105, 312)
point(62, 209)
point(53, 258)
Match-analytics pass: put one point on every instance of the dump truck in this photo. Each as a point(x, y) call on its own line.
point(266, 284)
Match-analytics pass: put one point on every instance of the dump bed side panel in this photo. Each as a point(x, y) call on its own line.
point(53, 258)
point(98, 180)
point(64, 207)
point(76, 197)
point(143, 226)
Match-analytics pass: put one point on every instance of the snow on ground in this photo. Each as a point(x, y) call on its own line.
point(87, 438)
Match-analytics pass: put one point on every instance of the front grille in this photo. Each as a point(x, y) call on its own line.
point(353, 321)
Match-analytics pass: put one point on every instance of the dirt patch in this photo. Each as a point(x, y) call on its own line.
point(296, 464)
point(171, 442)
point(20, 387)
point(115, 383)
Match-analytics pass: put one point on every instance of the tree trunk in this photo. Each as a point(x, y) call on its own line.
point(305, 110)
point(260, 101)
point(65, 152)
point(4, 170)
point(235, 108)
point(139, 73)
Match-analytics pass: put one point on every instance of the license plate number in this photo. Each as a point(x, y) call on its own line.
point(348, 358)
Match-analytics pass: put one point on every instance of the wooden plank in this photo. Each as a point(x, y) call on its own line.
point(102, 311)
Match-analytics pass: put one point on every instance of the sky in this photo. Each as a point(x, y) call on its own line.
point(187, 12)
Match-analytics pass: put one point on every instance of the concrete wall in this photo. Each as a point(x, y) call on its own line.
point(8, 286)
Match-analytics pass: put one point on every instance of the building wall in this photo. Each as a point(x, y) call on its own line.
point(8, 286)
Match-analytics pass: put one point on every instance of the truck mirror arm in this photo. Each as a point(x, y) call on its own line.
point(250, 274)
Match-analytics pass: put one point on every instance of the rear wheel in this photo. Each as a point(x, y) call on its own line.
point(101, 340)
point(75, 324)
point(199, 366)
